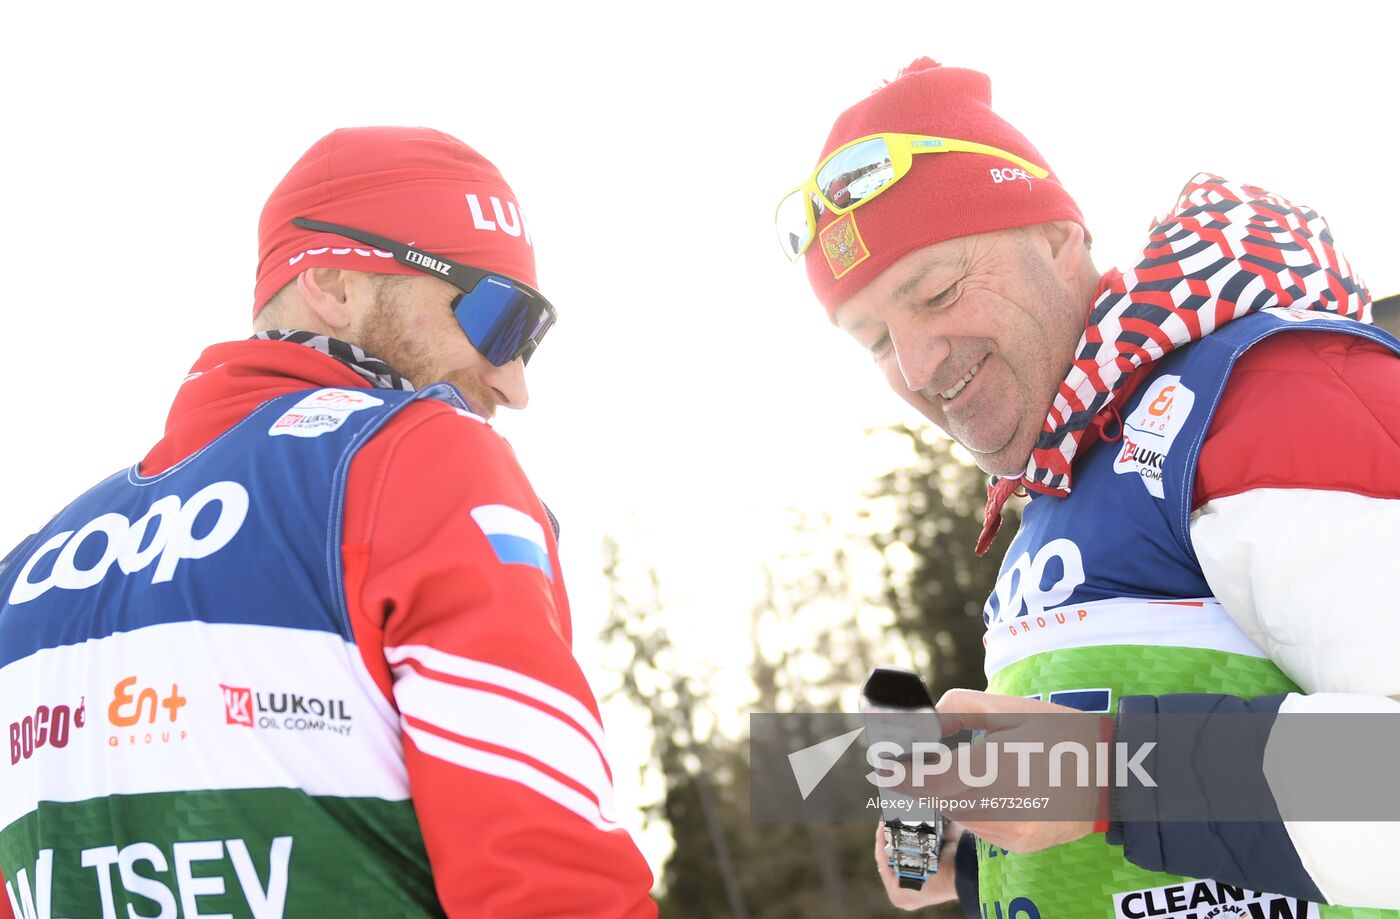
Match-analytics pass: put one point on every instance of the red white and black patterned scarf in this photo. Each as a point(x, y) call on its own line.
point(379, 374)
point(1226, 250)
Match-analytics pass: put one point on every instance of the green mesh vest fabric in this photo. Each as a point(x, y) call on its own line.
point(1079, 880)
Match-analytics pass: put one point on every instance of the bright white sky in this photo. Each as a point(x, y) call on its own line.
point(693, 389)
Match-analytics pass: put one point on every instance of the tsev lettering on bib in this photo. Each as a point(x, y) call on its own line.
point(322, 412)
point(1149, 431)
point(112, 873)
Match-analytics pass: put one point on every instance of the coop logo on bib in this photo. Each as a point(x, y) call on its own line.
point(1022, 589)
point(1149, 431)
point(133, 546)
point(1208, 900)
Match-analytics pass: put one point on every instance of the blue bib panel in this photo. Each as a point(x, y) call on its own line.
point(179, 680)
point(1101, 596)
point(247, 530)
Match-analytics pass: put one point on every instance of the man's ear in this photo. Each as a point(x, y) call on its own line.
point(326, 292)
point(1068, 246)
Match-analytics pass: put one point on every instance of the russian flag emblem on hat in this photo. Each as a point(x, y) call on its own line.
point(514, 535)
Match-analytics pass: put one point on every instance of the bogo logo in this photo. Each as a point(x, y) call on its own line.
point(46, 727)
point(1010, 175)
point(172, 542)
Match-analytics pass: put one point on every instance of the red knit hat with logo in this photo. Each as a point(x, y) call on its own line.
point(413, 185)
point(944, 195)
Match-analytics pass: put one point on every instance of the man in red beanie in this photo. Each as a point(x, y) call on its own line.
point(1198, 436)
point(312, 655)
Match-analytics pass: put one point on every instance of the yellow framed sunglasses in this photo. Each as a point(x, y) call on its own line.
point(861, 171)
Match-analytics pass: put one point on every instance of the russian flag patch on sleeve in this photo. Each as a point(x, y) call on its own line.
point(514, 535)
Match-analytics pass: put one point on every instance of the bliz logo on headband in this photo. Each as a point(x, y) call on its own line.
point(427, 262)
point(515, 226)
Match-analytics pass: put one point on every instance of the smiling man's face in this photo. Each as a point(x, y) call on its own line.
point(977, 332)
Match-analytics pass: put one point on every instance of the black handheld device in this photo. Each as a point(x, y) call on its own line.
point(911, 845)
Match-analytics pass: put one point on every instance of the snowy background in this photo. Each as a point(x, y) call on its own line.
point(693, 391)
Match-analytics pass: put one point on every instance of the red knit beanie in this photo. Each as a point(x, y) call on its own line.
point(413, 185)
point(945, 195)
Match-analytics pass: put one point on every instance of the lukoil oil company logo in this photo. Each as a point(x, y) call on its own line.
point(152, 714)
point(323, 411)
point(47, 727)
point(284, 711)
point(238, 705)
point(131, 546)
point(1148, 433)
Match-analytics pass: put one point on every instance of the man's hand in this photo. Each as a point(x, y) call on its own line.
point(1012, 719)
point(937, 889)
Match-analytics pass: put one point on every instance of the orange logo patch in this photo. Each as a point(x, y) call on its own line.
point(842, 245)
